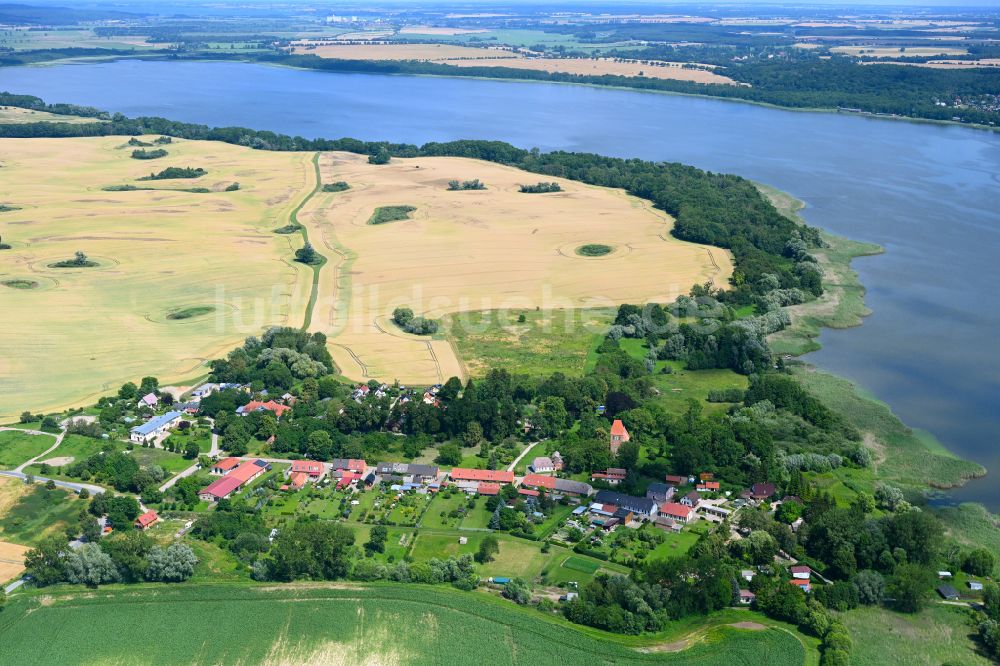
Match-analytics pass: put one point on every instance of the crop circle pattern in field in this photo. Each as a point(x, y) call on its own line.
point(34, 283)
point(46, 265)
point(575, 251)
point(167, 316)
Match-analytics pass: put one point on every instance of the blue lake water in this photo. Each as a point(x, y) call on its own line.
point(930, 194)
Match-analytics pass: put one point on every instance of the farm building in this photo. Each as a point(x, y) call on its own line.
point(256, 406)
point(225, 466)
point(155, 427)
point(406, 472)
point(232, 482)
point(147, 520)
point(490, 475)
point(488, 489)
point(551, 483)
point(948, 592)
point(619, 435)
point(546, 464)
point(641, 506)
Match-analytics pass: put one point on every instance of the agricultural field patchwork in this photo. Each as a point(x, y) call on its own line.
point(86, 330)
point(468, 251)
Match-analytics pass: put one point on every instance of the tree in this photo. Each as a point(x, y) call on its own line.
point(376, 540)
point(979, 562)
point(473, 434)
point(871, 587)
point(26, 417)
point(449, 454)
point(991, 601)
point(90, 566)
point(128, 391)
point(381, 156)
point(44, 563)
point(3, 598)
point(489, 547)
point(551, 417)
point(788, 512)
point(517, 590)
point(128, 550)
point(307, 254)
point(910, 587)
point(172, 564)
point(191, 451)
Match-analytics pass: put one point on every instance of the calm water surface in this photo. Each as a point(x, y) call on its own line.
point(929, 194)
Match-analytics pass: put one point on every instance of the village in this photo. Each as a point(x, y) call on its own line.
point(587, 515)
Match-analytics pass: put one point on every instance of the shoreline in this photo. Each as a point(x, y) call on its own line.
point(896, 447)
point(600, 86)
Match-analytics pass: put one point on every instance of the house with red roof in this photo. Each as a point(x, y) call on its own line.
point(678, 511)
point(147, 520)
point(801, 572)
point(348, 464)
point(234, 480)
point(801, 584)
point(347, 478)
point(311, 468)
point(619, 435)
point(257, 406)
point(555, 484)
point(297, 480)
point(708, 487)
point(225, 466)
point(674, 480)
point(489, 475)
point(488, 489)
point(612, 476)
point(528, 492)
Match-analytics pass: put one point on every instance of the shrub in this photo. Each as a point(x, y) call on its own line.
point(143, 154)
point(541, 188)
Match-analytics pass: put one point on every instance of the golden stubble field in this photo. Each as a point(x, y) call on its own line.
point(11, 554)
point(84, 331)
point(464, 251)
point(467, 56)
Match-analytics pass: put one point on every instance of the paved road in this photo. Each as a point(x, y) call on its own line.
point(68, 485)
point(13, 586)
point(510, 468)
point(180, 475)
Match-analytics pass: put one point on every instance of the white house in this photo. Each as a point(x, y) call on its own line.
point(148, 400)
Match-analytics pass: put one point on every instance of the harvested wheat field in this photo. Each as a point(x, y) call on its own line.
point(891, 52)
point(14, 114)
point(600, 67)
point(75, 332)
point(462, 251)
point(466, 56)
point(11, 560)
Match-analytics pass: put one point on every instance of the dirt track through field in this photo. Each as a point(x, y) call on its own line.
point(463, 251)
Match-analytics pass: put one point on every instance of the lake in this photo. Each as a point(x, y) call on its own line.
point(930, 194)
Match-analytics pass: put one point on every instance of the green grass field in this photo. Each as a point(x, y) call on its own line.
point(545, 342)
point(37, 513)
point(379, 624)
point(938, 635)
point(17, 447)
